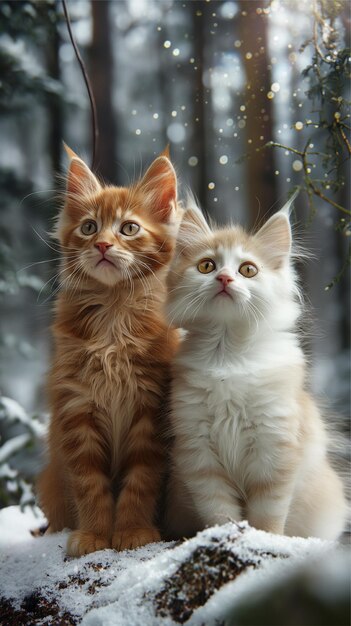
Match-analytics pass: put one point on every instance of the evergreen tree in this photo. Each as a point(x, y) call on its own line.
point(26, 28)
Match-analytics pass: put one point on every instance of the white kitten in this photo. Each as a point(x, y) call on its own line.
point(249, 440)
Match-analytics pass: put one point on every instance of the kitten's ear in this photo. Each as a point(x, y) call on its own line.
point(193, 223)
point(274, 239)
point(70, 153)
point(286, 209)
point(166, 152)
point(80, 179)
point(159, 184)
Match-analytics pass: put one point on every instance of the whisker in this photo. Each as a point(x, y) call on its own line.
point(144, 282)
point(58, 247)
point(150, 270)
point(201, 303)
point(62, 284)
point(192, 301)
point(55, 277)
point(44, 241)
point(58, 258)
point(34, 193)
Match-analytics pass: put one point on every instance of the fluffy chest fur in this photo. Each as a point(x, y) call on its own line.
point(112, 386)
point(243, 405)
point(106, 361)
point(110, 366)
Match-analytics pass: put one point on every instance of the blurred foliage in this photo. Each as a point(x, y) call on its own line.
point(33, 18)
point(25, 27)
point(329, 76)
point(19, 437)
point(17, 81)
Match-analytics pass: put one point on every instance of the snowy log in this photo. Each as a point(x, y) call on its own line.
point(230, 575)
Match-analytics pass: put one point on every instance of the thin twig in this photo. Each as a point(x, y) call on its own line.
point(87, 83)
point(340, 274)
point(315, 189)
point(304, 154)
point(346, 141)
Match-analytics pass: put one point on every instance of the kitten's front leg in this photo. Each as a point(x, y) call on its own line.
point(268, 504)
point(87, 461)
point(142, 469)
point(215, 498)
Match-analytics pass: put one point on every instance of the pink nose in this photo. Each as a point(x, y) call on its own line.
point(225, 279)
point(102, 246)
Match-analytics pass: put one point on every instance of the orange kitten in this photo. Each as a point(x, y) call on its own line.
point(111, 364)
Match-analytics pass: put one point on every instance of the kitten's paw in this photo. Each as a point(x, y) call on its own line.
point(131, 538)
point(83, 542)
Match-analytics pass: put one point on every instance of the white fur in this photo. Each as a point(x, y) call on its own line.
point(239, 411)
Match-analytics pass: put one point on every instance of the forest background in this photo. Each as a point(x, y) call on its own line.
point(253, 98)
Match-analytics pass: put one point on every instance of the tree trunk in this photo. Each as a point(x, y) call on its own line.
point(253, 26)
point(102, 80)
point(199, 11)
point(164, 86)
point(55, 134)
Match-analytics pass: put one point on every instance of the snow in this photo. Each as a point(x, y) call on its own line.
point(131, 587)
point(12, 446)
point(15, 525)
point(30, 563)
point(112, 589)
point(13, 412)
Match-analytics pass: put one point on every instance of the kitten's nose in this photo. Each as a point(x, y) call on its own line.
point(225, 279)
point(102, 246)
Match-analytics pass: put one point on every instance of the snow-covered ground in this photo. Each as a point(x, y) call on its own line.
point(198, 581)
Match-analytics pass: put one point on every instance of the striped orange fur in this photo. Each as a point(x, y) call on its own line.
point(110, 368)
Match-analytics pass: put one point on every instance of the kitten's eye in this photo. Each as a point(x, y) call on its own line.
point(89, 227)
point(206, 266)
point(130, 228)
point(248, 269)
